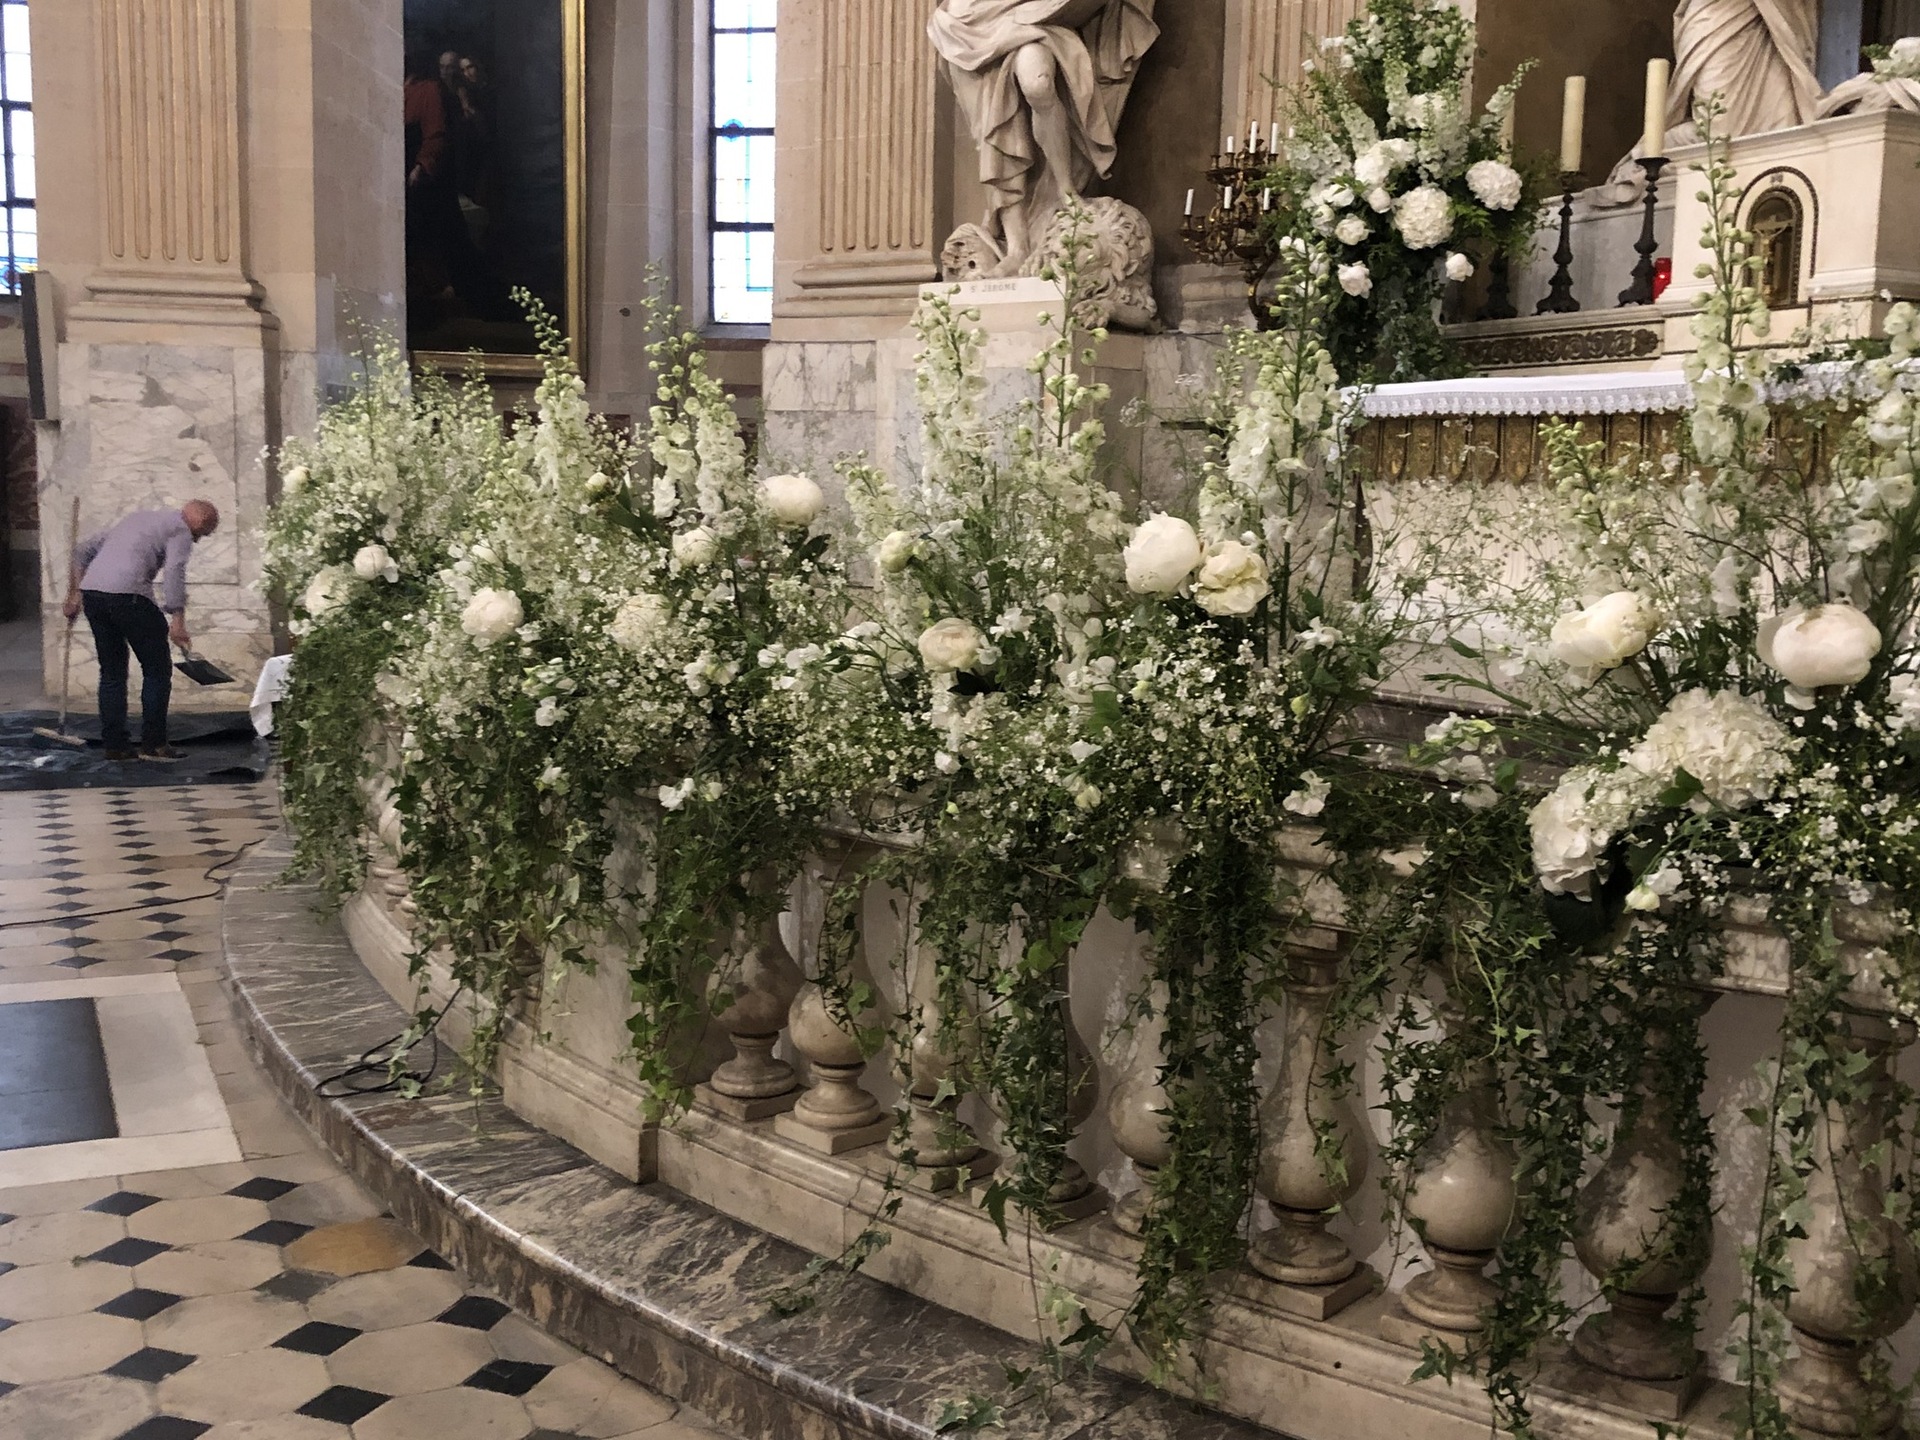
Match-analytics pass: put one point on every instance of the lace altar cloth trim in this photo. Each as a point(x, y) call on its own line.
point(1620, 393)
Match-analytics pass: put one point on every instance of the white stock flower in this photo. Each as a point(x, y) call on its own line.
point(1311, 798)
point(793, 500)
point(672, 797)
point(1356, 280)
point(1424, 217)
point(696, 546)
point(491, 615)
point(1653, 888)
point(666, 497)
point(950, 645)
point(1352, 230)
point(1233, 581)
point(1605, 633)
point(1725, 586)
point(896, 551)
point(1161, 555)
point(1827, 645)
point(327, 589)
point(639, 622)
point(1495, 184)
point(372, 562)
point(547, 712)
point(1459, 267)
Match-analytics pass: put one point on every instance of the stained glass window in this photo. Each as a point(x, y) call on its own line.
point(21, 232)
point(740, 212)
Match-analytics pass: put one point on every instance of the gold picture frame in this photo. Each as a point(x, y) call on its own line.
point(526, 364)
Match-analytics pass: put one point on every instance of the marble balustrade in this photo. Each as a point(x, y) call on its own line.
point(797, 1132)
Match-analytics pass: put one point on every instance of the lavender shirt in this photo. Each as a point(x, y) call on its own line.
point(124, 558)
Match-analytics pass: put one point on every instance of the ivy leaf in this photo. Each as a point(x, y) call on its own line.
point(1682, 790)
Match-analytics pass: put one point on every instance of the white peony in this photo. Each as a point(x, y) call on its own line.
point(1163, 552)
point(1827, 645)
point(372, 562)
point(1356, 280)
point(793, 500)
point(327, 589)
point(949, 645)
point(1459, 267)
point(295, 480)
point(696, 546)
point(1233, 580)
point(896, 551)
point(1605, 633)
point(1352, 230)
point(1495, 184)
point(1424, 217)
point(491, 615)
point(1725, 740)
point(639, 622)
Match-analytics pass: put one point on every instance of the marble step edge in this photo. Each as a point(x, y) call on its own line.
point(480, 1186)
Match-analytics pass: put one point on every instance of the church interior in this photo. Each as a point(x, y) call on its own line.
point(1117, 719)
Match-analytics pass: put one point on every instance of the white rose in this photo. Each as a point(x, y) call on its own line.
point(1233, 580)
point(1379, 200)
point(1494, 184)
point(950, 645)
point(295, 480)
point(1356, 280)
point(1340, 197)
point(1605, 633)
point(793, 500)
point(639, 622)
point(1161, 555)
point(1352, 230)
point(327, 589)
point(895, 551)
point(491, 615)
point(1827, 645)
point(1424, 217)
point(1459, 267)
point(372, 562)
point(695, 547)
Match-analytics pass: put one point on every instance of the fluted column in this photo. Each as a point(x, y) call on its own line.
point(1267, 42)
point(1313, 1157)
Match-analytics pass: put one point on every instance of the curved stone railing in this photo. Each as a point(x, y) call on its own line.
point(1320, 1335)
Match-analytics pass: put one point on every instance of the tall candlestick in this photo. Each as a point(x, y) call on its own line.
point(1573, 124)
point(1653, 135)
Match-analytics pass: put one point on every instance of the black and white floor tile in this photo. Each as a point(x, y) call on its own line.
point(165, 1291)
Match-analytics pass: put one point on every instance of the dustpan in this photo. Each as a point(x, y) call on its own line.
point(201, 670)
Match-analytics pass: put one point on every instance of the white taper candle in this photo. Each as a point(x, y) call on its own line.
point(1573, 124)
point(1653, 135)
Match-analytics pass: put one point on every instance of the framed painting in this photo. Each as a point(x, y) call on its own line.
point(495, 115)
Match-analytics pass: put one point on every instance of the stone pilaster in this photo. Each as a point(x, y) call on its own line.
point(1267, 42)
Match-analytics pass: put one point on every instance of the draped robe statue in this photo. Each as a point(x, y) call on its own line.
point(1042, 84)
point(1757, 55)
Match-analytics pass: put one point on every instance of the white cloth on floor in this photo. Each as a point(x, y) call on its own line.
point(268, 691)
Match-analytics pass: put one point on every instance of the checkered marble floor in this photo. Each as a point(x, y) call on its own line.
point(264, 1299)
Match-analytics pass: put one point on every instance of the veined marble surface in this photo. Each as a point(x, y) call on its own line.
point(670, 1291)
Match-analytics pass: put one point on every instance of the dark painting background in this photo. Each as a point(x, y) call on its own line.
point(507, 178)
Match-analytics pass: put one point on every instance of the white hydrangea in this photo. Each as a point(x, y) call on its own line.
point(1424, 217)
point(1459, 267)
point(1494, 183)
point(1725, 740)
point(1573, 826)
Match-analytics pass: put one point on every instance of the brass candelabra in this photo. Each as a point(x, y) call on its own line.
point(1232, 230)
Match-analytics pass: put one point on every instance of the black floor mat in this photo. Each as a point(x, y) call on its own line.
point(221, 750)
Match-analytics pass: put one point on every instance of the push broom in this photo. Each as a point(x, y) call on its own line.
point(66, 659)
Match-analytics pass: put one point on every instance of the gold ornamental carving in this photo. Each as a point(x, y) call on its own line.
point(1561, 347)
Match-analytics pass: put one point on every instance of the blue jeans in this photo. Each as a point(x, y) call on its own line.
point(120, 623)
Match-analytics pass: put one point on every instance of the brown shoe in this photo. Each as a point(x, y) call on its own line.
point(164, 754)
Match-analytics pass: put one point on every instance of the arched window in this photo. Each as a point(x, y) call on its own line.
point(1777, 223)
point(16, 145)
point(740, 210)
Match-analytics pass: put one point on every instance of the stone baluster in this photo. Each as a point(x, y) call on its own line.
point(1136, 1111)
point(1638, 1356)
point(1854, 1271)
point(941, 1150)
point(1073, 1194)
point(835, 1114)
point(761, 984)
point(1313, 1156)
point(1460, 1200)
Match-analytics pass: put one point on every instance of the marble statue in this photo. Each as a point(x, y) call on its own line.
point(1042, 84)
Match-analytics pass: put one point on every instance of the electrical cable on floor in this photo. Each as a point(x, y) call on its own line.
point(154, 902)
point(342, 1084)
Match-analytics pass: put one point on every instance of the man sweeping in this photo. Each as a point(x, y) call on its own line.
point(112, 580)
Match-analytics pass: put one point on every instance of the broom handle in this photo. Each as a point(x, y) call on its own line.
point(66, 659)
